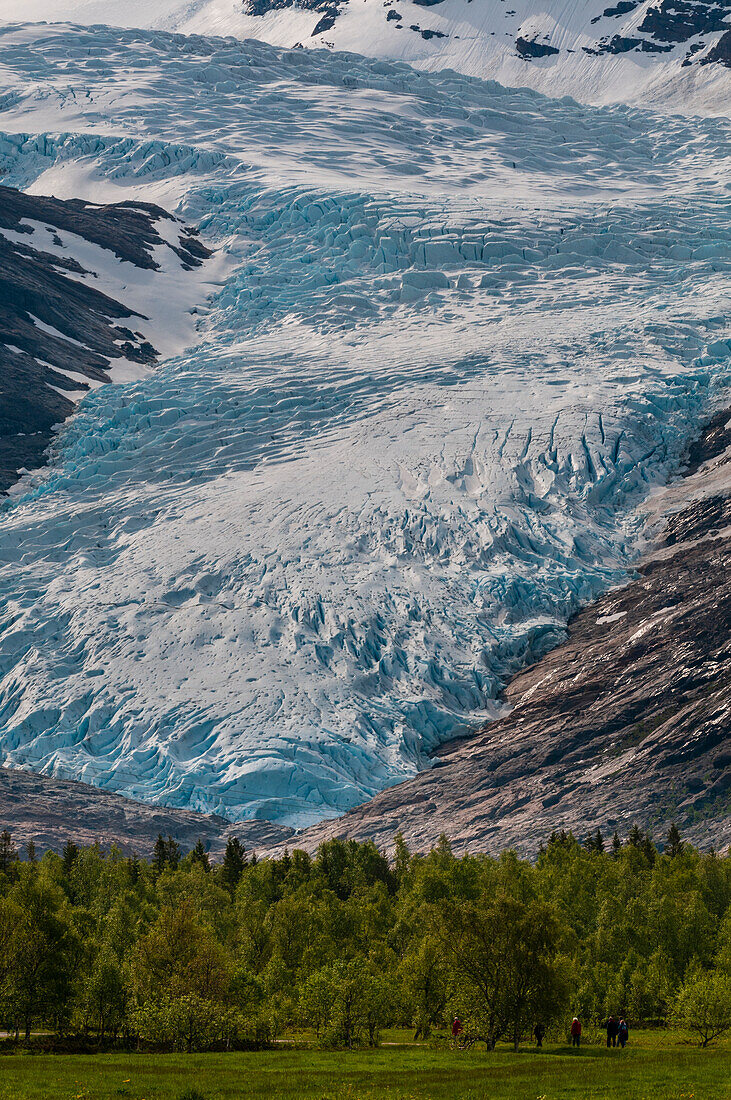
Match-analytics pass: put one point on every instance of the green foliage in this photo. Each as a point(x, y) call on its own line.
point(505, 955)
point(184, 954)
point(703, 1004)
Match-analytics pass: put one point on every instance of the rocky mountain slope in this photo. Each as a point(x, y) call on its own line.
point(51, 811)
point(61, 332)
point(673, 54)
point(628, 722)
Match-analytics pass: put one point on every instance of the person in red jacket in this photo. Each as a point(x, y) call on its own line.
point(456, 1027)
point(575, 1032)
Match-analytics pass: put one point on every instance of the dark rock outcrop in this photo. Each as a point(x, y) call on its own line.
point(329, 9)
point(666, 24)
point(53, 323)
point(678, 20)
point(533, 48)
point(627, 722)
point(720, 53)
point(620, 44)
point(624, 7)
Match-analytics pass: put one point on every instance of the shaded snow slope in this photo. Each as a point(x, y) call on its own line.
point(672, 54)
point(467, 330)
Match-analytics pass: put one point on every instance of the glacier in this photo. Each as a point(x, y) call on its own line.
point(462, 333)
point(668, 54)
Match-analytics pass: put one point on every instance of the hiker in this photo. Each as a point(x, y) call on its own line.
point(622, 1033)
point(575, 1032)
point(457, 1028)
point(612, 1030)
point(539, 1031)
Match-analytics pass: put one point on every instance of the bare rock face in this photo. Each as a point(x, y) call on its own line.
point(50, 811)
point(628, 722)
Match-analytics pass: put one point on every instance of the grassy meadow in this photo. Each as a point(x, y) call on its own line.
point(656, 1066)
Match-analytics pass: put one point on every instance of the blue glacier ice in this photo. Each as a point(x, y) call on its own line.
point(462, 333)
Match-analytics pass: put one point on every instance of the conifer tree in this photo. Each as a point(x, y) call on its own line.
point(200, 855)
point(8, 852)
point(616, 844)
point(673, 845)
point(172, 852)
point(159, 855)
point(30, 849)
point(234, 861)
point(69, 856)
point(401, 857)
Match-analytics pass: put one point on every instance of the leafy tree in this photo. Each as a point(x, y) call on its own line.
point(186, 1022)
point(504, 954)
point(378, 998)
point(401, 858)
point(349, 985)
point(703, 1005)
point(178, 956)
point(104, 993)
point(133, 869)
point(427, 984)
point(38, 966)
point(316, 999)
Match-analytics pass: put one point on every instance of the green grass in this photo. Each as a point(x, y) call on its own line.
point(657, 1066)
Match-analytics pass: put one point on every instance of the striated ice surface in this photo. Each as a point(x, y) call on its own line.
point(463, 332)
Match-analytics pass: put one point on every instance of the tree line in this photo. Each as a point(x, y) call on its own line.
point(180, 953)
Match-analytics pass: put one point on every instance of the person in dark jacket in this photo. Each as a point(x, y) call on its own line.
point(612, 1029)
point(622, 1033)
point(539, 1031)
point(575, 1032)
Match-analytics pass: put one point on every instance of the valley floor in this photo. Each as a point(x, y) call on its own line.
point(655, 1065)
